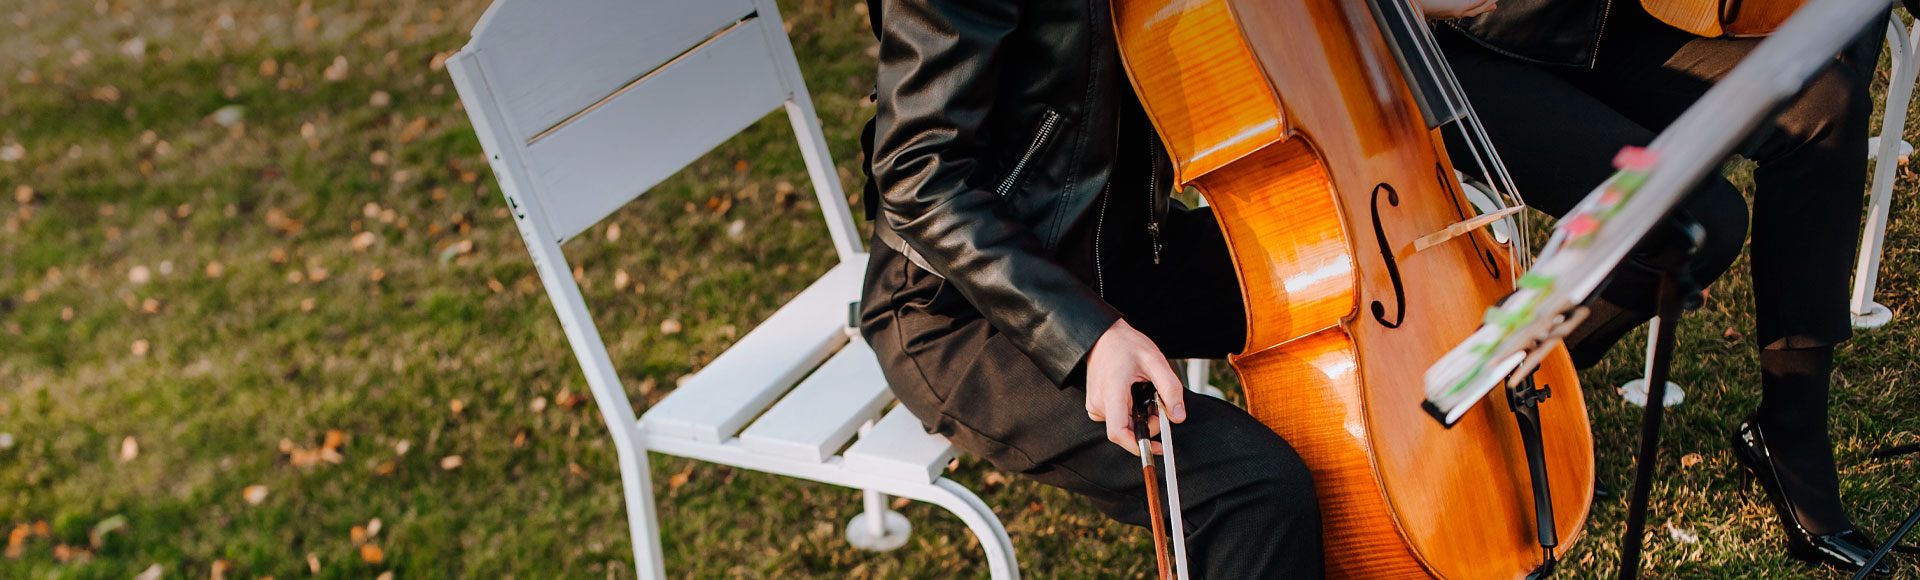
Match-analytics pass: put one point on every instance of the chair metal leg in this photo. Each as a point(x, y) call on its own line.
point(1635, 391)
point(878, 528)
point(1866, 273)
point(643, 523)
point(979, 518)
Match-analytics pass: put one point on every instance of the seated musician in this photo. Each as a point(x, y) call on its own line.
point(1562, 85)
point(1029, 268)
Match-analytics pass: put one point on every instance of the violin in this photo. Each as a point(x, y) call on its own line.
point(1723, 18)
point(1300, 123)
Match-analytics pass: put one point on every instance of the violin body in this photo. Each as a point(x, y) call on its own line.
point(1717, 18)
point(1295, 121)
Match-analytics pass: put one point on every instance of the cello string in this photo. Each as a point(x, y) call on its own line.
point(1485, 156)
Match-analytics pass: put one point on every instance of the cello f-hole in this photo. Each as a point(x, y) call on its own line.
point(1393, 267)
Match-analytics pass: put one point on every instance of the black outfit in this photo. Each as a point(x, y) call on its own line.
point(1021, 208)
point(1562, 85)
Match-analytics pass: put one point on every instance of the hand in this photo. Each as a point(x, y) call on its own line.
point(1451, 9)
point(1119, 359)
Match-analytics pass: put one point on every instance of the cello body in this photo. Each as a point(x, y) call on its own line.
point(1717, 18)
point(1295, 121)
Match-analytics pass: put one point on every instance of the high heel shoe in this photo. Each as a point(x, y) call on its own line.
point(1846, 550)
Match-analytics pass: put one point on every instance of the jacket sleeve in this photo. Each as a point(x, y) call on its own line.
point(940, 62)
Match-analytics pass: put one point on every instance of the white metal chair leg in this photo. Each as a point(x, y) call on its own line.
point(877, 527)
point(1635, 391)
point(1888, 150)
point(981, 520)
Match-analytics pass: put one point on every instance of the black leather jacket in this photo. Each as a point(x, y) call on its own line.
point(1557, 32)
point(997, 132)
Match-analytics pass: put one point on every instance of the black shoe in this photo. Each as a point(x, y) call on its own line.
point(1846, 550)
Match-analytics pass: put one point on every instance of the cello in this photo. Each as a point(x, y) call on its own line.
point(1298, 120)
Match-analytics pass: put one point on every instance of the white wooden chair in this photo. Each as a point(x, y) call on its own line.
point(581, 106)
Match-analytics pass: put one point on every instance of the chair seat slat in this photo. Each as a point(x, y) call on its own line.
point(822, 414)
point(899, 447)
point(718, 400)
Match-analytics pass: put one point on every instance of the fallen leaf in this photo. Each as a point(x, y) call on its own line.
point(140, 347)
point(1690, 460)
point(380, 157)
point(150, 306)
point(215, 270)
point(334, 439)
point(613, 232)
point(456, 406)
point(380, 99)
point(97, 537)
point(16, 541)
point(520, 439)
point(371, 554)
point(579, 471)
point(254, 494)
point(1682, 535)
point(220, 568)
point(1731, 335)
point(567, 399)
point(621, 280)
point(23, 194)
point(385, 468)
point(357, 535)
point(151, 573)
point(901, 503)
point(129, 448)
point(313, 563)
point(679, 479)
point(539, 404)
point(373, 527)
point(337, 71)
point(330, 456)
point(495, 285)
point(269, 67)
point(670, 326)
point(402, 447)
point(996, 479)
point(362, 241)
point(450, 462)
point(307, 305)
point(387, 575)
point(139, 275)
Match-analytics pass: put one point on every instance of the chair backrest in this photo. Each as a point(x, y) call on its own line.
point(583, 105)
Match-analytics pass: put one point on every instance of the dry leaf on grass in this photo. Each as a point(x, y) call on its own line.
point(387, 575)
point(129, 448)
point(372, 554)
point(220, 568)
point(358, 535)
point(450, 462)
point(362, 241)
point(140, 347)
point(520, 439)
point(1690, 460)
point(16, 541)
point(254, 494)
point(670, 326)
point(457, 406)
point(579, 471)
point(679, 479)
point(313, 563)
point(373, 527)
point(335, 438)
point(151, 573)
point(139, 275)
point(215, 270)
point(385, 468)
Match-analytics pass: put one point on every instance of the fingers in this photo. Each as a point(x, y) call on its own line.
point(1119, 428)
point(1171, 392)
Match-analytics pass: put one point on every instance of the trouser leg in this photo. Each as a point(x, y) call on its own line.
point(1249, 505)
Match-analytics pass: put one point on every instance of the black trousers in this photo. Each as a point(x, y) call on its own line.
point(1559, 128)
point(1248, 501)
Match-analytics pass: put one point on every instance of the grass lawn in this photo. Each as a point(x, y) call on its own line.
point(263, 313)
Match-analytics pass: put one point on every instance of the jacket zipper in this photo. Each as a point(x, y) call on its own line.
point(1153, 190)
point(1099, 276)
point(1605, 13)
point(1047, 125)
